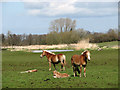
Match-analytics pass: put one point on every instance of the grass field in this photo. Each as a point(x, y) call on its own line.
point(108, 44)
point(102, 71)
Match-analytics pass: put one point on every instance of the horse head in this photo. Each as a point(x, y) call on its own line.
point(87, 54)
point(43, 54)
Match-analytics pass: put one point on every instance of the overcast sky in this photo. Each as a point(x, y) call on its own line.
point(35, 17)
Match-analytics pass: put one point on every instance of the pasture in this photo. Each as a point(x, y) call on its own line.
point(101, 71)
point(108, 44)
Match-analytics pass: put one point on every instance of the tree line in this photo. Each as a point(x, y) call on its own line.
point(22, 39)
point(62, 31)
point(110, 35)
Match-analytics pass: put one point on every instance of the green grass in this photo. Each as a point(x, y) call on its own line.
point(108, 44)
point(102, 71)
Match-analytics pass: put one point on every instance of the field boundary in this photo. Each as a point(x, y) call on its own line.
point(83, 44)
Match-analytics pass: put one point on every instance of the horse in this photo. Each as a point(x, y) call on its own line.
point(54, 59)
point(59, 75)
point(80, 60)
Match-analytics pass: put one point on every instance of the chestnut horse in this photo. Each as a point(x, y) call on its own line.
point(80, 60)
point(54, 59)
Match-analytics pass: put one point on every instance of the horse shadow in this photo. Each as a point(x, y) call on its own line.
point(75, 76)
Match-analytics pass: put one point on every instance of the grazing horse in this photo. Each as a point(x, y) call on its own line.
point(54, 59)
point(80, 60)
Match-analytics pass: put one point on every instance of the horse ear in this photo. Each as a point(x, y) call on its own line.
point(85, 50)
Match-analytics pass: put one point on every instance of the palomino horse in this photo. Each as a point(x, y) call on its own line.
point(54, 59)
point(80, 60)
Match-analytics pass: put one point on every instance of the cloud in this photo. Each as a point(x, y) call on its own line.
point(71, 8)
point(66, 0)
point(58, 0)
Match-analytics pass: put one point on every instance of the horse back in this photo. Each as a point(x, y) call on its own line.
point(57, 58)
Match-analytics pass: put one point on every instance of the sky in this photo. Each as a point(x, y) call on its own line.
point(35, 17)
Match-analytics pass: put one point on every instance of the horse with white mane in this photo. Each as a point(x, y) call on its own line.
point(54, 59)
point(80, 60)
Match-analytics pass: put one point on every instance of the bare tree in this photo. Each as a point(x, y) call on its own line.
point(73, 25)
point(68, 23)
point(3, 39)
point(62, 25)
point(9, 38)
point(30, 39)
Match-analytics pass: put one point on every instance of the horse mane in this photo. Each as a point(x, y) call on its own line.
point(49, 52)
point(84, 52)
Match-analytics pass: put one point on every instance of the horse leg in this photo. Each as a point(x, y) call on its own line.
point(64, 68)
point(80, 70)
point(84, 71)
point(64, 63)
point(54, 66)
point(49, 66)
point(61, 67)
point(74, 70)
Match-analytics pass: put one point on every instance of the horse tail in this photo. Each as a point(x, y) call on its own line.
point(64, 59)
